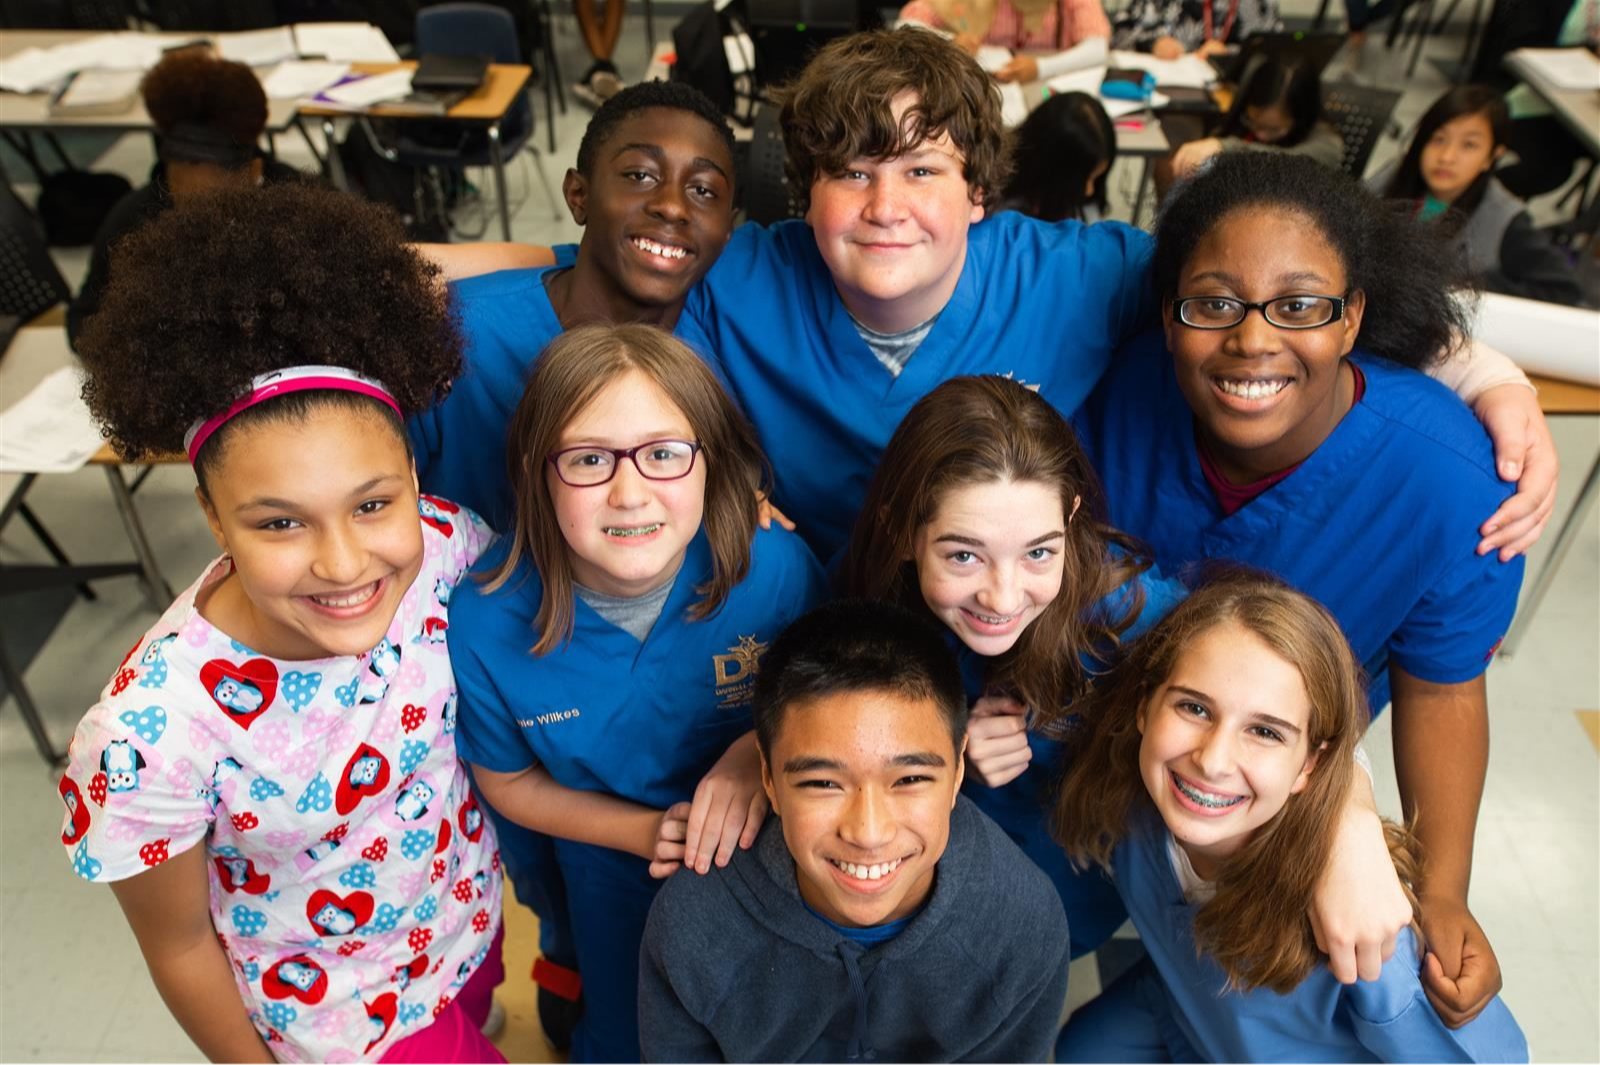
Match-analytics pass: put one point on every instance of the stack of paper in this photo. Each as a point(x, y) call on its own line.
point(1186, 72)
point(345, 42)
point(992, 57)
point(258, 48)
point(1565, 68)
point(302, 77)
point(360, 91)
point(49, 430)
point(98, 92)
point(35, 69)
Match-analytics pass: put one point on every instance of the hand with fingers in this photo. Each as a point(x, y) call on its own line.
point(728, 808)
point(1525, 454)
point(1360, 906)
point(1460, 974)
point(671, 831)
point(997, 740)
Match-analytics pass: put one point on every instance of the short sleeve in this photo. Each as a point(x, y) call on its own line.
point(1452, 632)
point(487, 732)
point(1116, 265)
point(133, 788)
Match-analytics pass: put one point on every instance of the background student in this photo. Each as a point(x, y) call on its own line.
point(1170, 28)
point(1207, 774)
point(1061, 158)
point(269, 782)
point(879, 916)
point(208, 114)
point(1255, 429)
point(1064, 35)
point(1278, 108)
point(1448, 176)
point(607, 653)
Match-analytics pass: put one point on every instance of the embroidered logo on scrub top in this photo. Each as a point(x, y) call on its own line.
point(734, 673)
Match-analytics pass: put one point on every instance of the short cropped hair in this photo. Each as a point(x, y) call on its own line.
point(840, 107)
point(673, 95)
point(858, 645)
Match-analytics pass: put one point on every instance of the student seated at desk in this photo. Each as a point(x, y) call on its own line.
point(208, 115)
point(880, 915)
point(1072, 34)
point(1278, 108)
point(1060, 157)
point(1168, 29)
point(1448, 178)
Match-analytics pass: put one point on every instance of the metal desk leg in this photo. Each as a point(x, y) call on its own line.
point(1144, 183)
point(497, 156)
point(335, 165)
point(156, 588)
point(30, 712)
point(1558, 551)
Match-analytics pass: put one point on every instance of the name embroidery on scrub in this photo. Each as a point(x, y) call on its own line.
point(734, 674)
point(552, 718)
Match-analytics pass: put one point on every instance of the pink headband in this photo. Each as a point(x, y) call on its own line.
point(281, 383)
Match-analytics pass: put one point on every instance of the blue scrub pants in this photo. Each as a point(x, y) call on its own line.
point(608, 895)
point(530, 862)
point(1130, 1021)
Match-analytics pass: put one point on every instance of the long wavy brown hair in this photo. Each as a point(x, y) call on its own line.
point(1256, 926)
point(979, 430)
point(573, 370)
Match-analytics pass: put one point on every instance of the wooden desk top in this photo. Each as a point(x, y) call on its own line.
point(1566, 397)
point(488, 104)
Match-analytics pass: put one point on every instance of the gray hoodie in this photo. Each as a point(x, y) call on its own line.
point(734, 967)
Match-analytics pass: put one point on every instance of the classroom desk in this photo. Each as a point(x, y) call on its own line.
point(1578, 109)
point(485, 107)
point(1559, 399)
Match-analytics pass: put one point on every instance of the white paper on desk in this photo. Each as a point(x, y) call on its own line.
point(375, 88)
point(49, 430)
point(345, 42)
point(1186, 72)
point(302, 77)
point(992, 57)
point(1013, 105)
point(1565, 68)
point(1545, 338)
point(31, 70)
point(1088, 81)
point(257, 48)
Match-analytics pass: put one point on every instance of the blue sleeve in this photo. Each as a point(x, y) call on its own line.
point(487, 732)
point(1452, 632)
point(1125, 255)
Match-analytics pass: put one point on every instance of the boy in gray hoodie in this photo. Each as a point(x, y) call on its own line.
point(879, 916)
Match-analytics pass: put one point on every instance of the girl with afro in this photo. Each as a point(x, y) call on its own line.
point(269, 781)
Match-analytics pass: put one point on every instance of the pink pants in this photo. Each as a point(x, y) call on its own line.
point(455, 1035)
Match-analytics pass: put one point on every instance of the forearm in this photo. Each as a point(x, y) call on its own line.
point(1476, 369)
point(467, 260)
point(198, 987)
point(1441, 755)
point(1091, 52)
point(533, 799)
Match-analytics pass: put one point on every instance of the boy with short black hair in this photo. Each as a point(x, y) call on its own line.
point(879, 914)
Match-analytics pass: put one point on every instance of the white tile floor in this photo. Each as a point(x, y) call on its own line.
point(72, 984)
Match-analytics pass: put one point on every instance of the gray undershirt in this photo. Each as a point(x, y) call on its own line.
point(635, 615)
point(894, 350)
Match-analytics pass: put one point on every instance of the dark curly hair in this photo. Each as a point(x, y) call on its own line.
point(1420, 296)
point(194, 87)
point(241, 282)
point(676, 95)
point(839, 108)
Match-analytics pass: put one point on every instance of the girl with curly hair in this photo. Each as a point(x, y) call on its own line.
point(269, 781)
point(1207, 779)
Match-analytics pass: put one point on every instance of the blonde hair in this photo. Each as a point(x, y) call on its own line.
point(1256, 927)
point(572, 371)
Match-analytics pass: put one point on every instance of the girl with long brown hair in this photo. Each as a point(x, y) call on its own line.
point(607, 653)
point(1208, 779)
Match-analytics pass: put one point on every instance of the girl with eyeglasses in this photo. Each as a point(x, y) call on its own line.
point(1280, 420)
point(606, 651)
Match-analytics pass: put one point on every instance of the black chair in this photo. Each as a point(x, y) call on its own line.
point(30, 284)
point(476, 29)
point(766, 195)
point(1361, 115)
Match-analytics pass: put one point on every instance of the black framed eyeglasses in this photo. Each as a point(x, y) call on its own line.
point(1285, 312)
point(656, 460)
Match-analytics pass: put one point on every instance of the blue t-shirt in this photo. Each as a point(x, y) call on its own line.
point(872, 936)
point(605, 712)
point(460, 443)
point(1044, 304)
point(1380, 523)
point(1388, 1019)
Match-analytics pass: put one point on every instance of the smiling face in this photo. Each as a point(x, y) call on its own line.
point(658, 207)
point(1456, 154)
point(1224, 742)
point(864, 782)
point(320, 518)
point(894, 231)
point(990, 560)
point(627, 536)
point(1264, 397)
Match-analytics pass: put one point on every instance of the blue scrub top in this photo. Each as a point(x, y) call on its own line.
point(605, 712)
point(1388, 1019)
point(1042, 303)
point(1380, 523)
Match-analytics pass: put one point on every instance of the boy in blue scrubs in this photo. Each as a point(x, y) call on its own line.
point(653, 189)
point(880, 915)
point(1277, 443)
point(828, 330)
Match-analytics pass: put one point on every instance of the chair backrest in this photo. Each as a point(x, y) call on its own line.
point(29, 281)
point(478, 29)
point(1361, 115)
point(765, 188)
